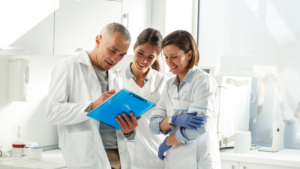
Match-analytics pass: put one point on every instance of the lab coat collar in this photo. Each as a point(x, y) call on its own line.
point(129, 73)
point(187, 78)
point(84, 58)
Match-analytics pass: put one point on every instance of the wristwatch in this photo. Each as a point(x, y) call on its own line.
point(170, 121)
point(129, 134)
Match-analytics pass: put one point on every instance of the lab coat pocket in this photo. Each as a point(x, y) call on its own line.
point(81, 149)
point(131, 148)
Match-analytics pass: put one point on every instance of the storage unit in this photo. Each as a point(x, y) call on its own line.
point(284, 159)
point(27, 27)
point(77, 23)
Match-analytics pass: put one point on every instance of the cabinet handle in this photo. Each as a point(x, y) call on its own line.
point(12, 48)
point(232, 166)
point(126, 22)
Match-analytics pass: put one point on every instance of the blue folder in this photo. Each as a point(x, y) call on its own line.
point(123, 101)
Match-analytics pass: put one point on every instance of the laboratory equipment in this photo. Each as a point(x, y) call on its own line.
point(234, 106)
point(278, 133)
point(18, 80)
point(18, 145)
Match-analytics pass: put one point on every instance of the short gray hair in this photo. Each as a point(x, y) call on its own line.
point(109, 29)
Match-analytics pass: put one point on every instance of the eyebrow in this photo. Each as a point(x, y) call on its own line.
point(172, 54)
point(140, 50)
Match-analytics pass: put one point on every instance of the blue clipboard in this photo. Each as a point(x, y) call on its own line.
point(123, 101)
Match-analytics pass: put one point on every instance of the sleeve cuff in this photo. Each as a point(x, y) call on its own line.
point(88, 109)
point(181, 136)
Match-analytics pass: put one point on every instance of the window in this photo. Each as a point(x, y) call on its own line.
point(258, 39)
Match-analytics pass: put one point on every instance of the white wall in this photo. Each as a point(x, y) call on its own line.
point(29, 115)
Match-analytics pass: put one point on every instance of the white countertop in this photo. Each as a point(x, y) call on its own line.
point(286, 157)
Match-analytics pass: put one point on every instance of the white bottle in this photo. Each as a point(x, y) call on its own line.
point(18, 145)
point(278, 135)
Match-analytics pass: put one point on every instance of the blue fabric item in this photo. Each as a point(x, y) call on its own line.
point(189, 120)
point(154, 125)
point(122, 102)
point(162, 149)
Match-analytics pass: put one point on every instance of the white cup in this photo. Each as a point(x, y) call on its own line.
point(242, 141)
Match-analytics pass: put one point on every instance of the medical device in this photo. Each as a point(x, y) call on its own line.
point(234, 107)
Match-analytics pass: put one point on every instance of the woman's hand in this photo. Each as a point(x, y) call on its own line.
point(128, 124)
point(162, 149)
point(189, 120)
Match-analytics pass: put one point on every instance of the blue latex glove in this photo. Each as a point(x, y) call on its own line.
point(162, 149)
point(189, 120)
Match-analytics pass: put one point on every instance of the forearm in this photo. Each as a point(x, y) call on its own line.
point(164, 125)
point(171, 140)
point(154, 125)
point(66, 113)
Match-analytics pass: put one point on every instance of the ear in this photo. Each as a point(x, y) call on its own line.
point(133, 48)
point(190, 54)
point(98, 40)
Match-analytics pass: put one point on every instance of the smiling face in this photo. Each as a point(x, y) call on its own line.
point(177, 60)
point(144, 57)
point(111, 50)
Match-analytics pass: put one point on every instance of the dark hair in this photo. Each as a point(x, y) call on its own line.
point(153, 37)
point(184, 41)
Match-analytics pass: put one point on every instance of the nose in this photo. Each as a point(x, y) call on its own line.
point(144, 60)
point(114, 58)
point(168, 61)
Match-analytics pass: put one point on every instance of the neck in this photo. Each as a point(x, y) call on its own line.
point(93, 58)
point(138, 74)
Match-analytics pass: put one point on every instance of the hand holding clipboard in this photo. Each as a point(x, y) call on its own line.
point(122, 102)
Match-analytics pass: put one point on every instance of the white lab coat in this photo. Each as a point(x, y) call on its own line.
point(198, 94)
point(145, 145)
point(74, 85)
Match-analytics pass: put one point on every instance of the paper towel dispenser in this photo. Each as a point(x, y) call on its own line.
point(18, 80)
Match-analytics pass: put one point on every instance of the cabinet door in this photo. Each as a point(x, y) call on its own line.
point(229, 164)
point(26, 27)
point(139, 18)
point(78, 22)
point(262, 166)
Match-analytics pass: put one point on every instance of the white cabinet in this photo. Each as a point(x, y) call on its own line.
point(139, 18)
point(244, 165)
point(26, 27)
point(78, 22)
point(229, 164)
point(226, 164)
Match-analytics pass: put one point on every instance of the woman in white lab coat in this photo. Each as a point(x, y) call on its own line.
point(188, 109)
point(142, 77)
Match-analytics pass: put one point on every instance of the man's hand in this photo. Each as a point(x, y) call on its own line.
point(102, 98)
point(128, 124)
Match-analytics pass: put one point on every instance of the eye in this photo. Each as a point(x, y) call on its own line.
point(151, 58)
point(113, 51)
point(174, 57)
point(140, 53)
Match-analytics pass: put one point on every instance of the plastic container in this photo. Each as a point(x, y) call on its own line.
point(18, 146)
point(35, 153)
point(29, 145)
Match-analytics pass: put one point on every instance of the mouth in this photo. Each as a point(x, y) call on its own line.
point(109, 63)
point(141, 65)
point(174, 67)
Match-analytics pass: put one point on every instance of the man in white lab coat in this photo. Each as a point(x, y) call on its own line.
point(78, 85)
